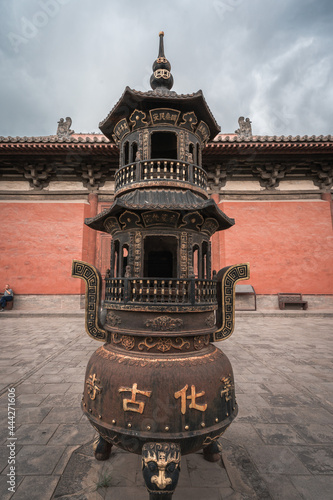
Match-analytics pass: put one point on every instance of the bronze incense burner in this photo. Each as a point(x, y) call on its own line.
point(158, 386)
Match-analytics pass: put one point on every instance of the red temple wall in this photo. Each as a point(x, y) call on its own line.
point(38, 243)
point(289, 244)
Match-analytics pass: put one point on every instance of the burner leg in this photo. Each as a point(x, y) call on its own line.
point(160, 468)
point(212, 452)
point(102, 449)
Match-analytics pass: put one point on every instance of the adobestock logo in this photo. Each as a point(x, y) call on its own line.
point(29, 28)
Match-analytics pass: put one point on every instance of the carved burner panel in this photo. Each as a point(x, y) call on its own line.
point(171, 323)
point(160, 254)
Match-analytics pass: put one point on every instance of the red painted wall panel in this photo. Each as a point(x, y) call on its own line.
point(289, 244)
point(38, 242)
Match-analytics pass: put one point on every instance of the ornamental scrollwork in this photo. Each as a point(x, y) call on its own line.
point(164, 323)
point(112, 319)
point(125, 340)
point(163, 344)
point(200, 342)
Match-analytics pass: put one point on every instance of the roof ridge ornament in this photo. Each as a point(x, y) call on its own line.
point(161, 77)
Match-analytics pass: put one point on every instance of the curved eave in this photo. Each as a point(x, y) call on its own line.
point(133, 99)
point(207, 208)
point(215, 149)
point(89, 147)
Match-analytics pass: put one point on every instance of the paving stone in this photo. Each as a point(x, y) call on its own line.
point(61, 416)
point(71, 434)
point(35, 433)
point(203, 472)
point(277, 460)
point(318, 459)
point(278, 434)
point(41, 487)
point(244, 434)
point(315, 433)
point(314, 487)
point(281, 488)
point(38, 459)
point(32, 415)
point(5, 494)
point(283, 386)
point(54, 388)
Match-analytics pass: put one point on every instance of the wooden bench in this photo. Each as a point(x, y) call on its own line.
point(246, 290)
point(9, 305)
point(291, 298)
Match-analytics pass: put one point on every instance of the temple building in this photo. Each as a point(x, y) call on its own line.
point(277, 189)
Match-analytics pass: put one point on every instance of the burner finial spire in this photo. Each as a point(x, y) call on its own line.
point(161, 76)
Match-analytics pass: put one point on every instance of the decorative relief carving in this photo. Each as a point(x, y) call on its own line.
point(193, 220)
point(182, 155)
point(189, 252)
point(140, 148)
point(112, 319)
point(137, 253)
point(163, 344)
point(203, 131)
point(200, 342)
point(121, 128)
point(210, 226)
point(126, 341)
point(183, 255)
point(189, 121)
point(138, 119)
point(164, 115)
point(93, 388)
point(226, 309)
point(145, 145)
point(245, 128)
point(164, 323)
point(160, 468)
point(210, 321)
point(131, 360)
point(130, 220)
point(64, 126)
point(132, 404)
point(92, 279)
point(160, 218)
point(111, 225)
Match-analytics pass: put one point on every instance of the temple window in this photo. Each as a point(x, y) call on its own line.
point(192, 152)
point(160, 257)
point(205, 260)
point(116, 259)
point(196, 261)
point(198, 159)
point(126, 153)
point(134, 150)
point(164, 145)
point(124, 259)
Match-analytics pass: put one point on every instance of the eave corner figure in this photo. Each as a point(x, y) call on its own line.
point(158, 386)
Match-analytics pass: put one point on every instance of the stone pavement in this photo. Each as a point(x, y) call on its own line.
point(279, 447)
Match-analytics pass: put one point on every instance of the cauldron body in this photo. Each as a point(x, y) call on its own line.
point(133, 397)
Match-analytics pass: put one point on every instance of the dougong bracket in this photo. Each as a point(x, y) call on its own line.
point(226, 283)
point(92, 278)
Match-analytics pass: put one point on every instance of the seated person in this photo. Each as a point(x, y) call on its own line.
point(7, 297)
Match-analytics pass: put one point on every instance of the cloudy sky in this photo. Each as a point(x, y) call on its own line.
point(264, 59)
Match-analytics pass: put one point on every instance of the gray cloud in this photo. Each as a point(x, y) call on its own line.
point(260, 58)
